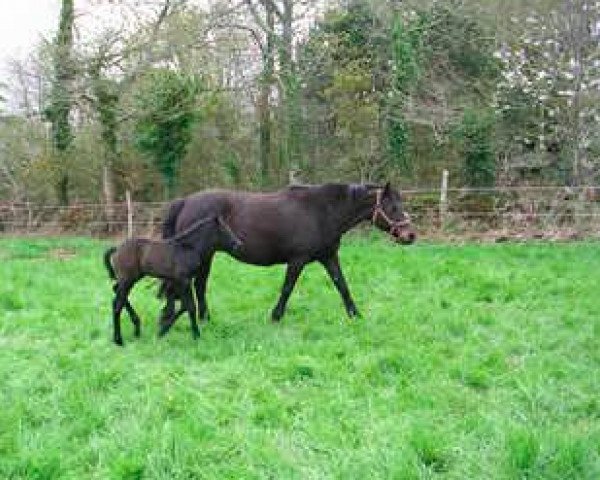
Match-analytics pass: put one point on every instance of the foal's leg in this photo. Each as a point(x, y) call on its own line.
point(121, 292)
point(135, 319)
point(200, 286)
point(189, 304)
point(166, 323)
point(332, 265)
point(133, 316)
point(291, 275)
point(167, 314)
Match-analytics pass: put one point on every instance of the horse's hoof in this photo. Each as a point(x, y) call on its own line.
point(119, 342)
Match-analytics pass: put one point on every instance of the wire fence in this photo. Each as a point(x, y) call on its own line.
point(553, 212)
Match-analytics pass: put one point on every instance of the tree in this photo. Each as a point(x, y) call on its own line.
point(166, 110)
point(406, 46)
point(475, 137)
point(116, 49)
point(60, 99)
point(549, 93)
point(344, 67)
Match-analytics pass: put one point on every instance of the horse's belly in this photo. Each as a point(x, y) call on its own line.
point(262, 259)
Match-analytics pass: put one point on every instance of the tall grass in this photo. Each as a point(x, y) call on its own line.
point(476, 361)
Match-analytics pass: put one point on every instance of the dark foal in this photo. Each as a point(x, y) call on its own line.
point(296, 226)
point(176, 260)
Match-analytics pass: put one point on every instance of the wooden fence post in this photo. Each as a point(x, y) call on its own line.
point(29, 217)
point(129, 214)
point(444, 199)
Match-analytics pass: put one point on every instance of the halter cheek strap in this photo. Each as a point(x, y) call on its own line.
point(394, 226)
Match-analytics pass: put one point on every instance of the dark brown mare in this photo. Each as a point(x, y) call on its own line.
point(297, 225)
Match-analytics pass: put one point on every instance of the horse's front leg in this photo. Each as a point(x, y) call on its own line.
point(332, 265)
point(294, 268)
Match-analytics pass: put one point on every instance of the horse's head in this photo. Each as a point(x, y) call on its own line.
point(227, 240)
point(389, 215)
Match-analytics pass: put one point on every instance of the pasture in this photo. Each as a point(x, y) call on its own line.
point(469, 362)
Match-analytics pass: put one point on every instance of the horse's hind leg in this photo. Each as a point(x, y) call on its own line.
point(291, 275)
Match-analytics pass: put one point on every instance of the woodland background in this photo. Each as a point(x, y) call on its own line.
point(167, 97)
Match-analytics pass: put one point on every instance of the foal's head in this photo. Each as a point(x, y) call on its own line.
point(389, 215)
point(210, 234)
point(226, 239)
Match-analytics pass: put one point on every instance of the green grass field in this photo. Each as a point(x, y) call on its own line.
point(470, 362)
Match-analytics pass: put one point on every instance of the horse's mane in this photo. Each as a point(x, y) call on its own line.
point(334, 189)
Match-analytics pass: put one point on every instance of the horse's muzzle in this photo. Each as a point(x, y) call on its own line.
point(405, 237)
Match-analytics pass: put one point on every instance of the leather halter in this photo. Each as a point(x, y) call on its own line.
point(394, 226)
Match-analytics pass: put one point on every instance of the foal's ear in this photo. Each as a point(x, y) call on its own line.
point(219, 221)
point(387, 188)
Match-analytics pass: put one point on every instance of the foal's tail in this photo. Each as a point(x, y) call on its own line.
point(109, 268)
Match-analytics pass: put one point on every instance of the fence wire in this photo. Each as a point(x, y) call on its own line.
point(537, 211)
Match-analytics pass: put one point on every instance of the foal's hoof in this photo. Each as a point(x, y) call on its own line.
point(119, 342)
point(354, 313)
point(163, 331)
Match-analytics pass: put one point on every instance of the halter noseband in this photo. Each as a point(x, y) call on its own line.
point(394, 226)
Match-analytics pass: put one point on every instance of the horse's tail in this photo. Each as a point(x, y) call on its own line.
point(170, 220)
point(109, 268)
point(168, 230)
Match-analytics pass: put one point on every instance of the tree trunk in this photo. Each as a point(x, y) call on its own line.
point(264, 106)
point(60, 107)
point(106, 99)
point(108, 190)
point(291, 107)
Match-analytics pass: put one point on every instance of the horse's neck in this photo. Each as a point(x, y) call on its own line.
point(355, 211)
